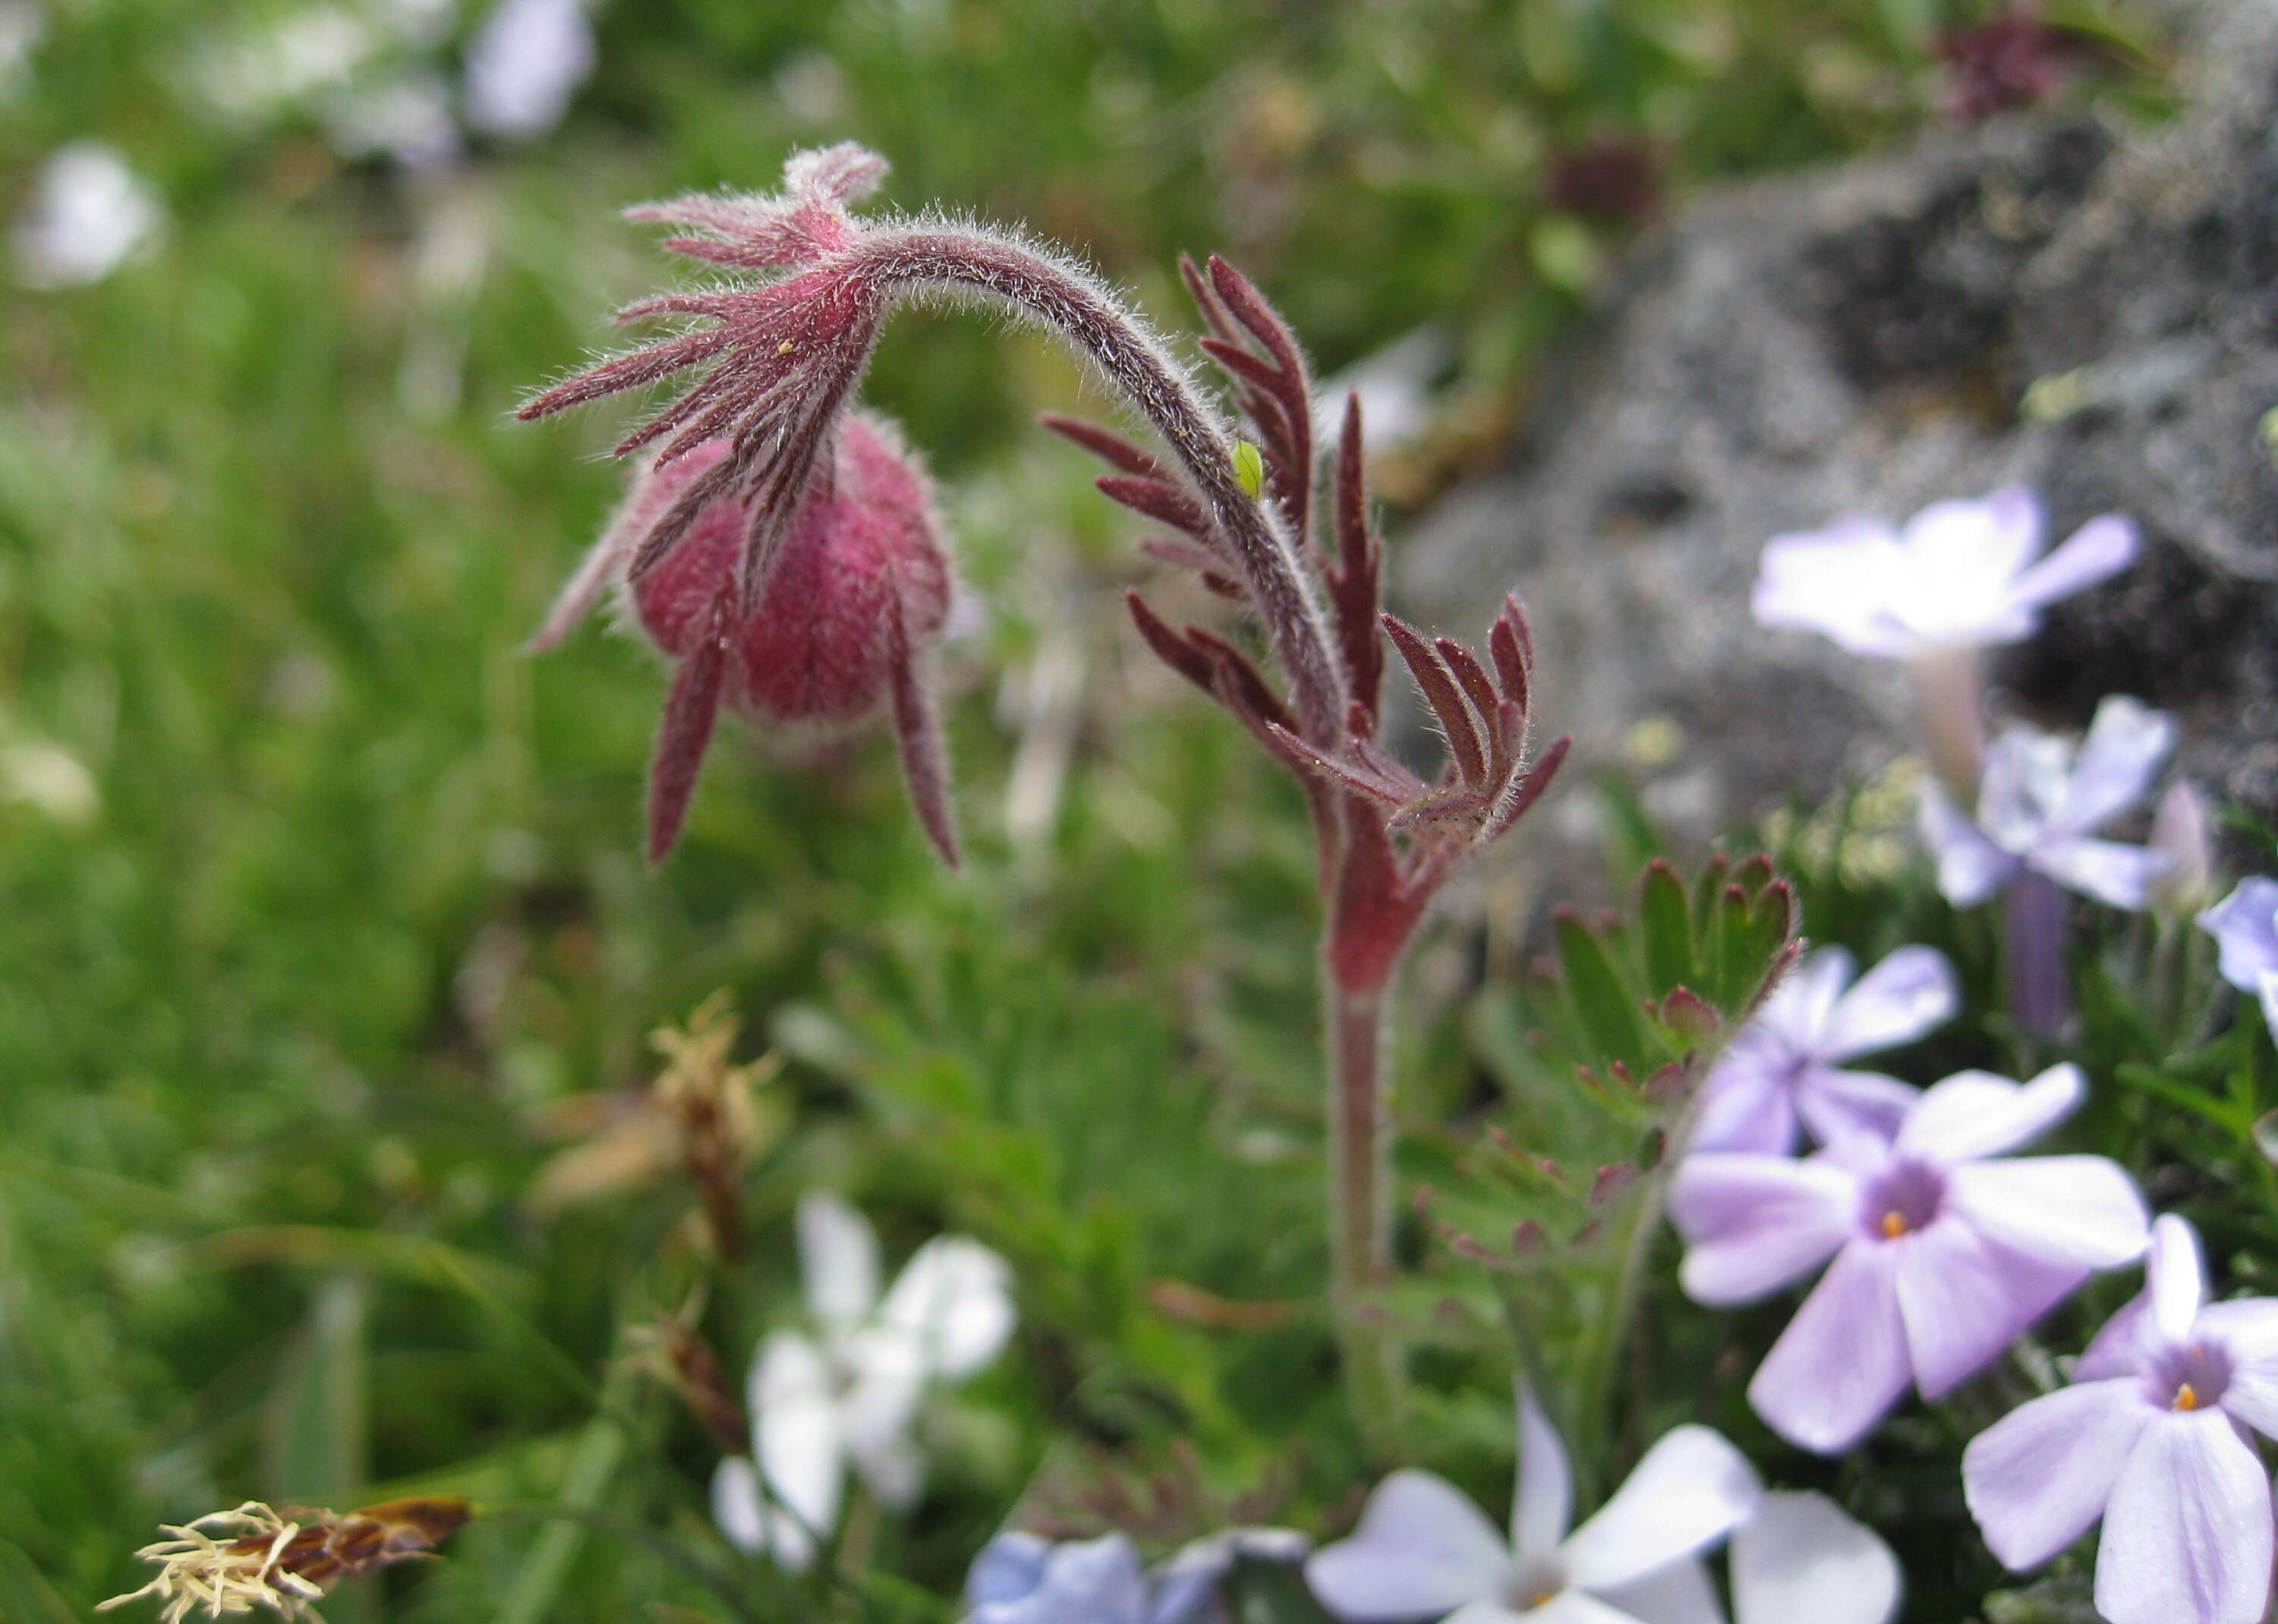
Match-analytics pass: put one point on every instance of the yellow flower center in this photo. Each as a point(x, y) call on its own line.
point(1894, 1224)
point(2187, 1397)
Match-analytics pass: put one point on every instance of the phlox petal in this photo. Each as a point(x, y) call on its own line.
point(1838, 1104)
point(1083, 1582)
point(1422, 1549)
point(1744, 1106)
point(2187, 1532)
point(1833, 581)
point(2117, 875)
point(953, 1301)
point(2084, 1211)
point(2118, 763)
point(736, 1505)
point(1911, 992)
point(2038, 1478)
point(800, 1445)
point(2096, 551)
point(1681, 1593)
point(2174, 1276)
point(1008, 1568)
point(1568, 1607)
point(1543, 1508)
point(1803, 1556)
point(1970, 867)
point(2245, 926)
point(1754, 1224)
point(1974, 1114)
point(1964, 1297)
point(1691, 1490)
point(1842, 1361)
point(837, 1259)
point(2247, 1328)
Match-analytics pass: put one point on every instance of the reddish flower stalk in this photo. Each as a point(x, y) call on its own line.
point(755, 517)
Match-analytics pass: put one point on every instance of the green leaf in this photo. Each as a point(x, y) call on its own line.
point(315, 1436)
point(1603, 1003)
point(600, 1452)
point(1668, 931)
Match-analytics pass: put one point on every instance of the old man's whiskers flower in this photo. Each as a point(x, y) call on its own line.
point(229, 1563)
point(781, 547)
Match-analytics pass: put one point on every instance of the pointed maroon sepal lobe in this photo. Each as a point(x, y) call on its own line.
point(1173, 649)
point(1156, 500)
point(1353, 581)
point(1439, 687)
point(925, 756)
point(1272, 390)
point(1109, 447)
point(686, 733)
point(1532, 785)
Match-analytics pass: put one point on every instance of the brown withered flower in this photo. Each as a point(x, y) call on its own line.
point(701, 1119)
point(230, 1563)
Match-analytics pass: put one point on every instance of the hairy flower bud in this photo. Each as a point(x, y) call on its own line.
point(858, 594)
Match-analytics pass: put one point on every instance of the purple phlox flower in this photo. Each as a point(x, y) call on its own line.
point(2245, 926)
point(2154, 1437)
point(1024, 1579)
point(1939, 1249)
point(1423, 1550)
point(2184, 833)
point(2041, 803)
point(1960, 574)
point(849, 1394)
point(1785, 1071)
point(1021, 1578)
point(524, 64)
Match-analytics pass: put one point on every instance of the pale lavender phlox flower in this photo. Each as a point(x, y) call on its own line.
point(525, 64)
point(1024, 1579)
point(1960, 574)
point(2041, 802)
point(2245, 926)
point(2183, 833)
point(1785, 1070)
point(1020, 1578)
point(1942, 1249)
point(849, 1394)
point(1423, 1550)
point(2153, 1436)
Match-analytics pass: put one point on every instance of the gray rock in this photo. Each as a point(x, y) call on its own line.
point(2046, 299)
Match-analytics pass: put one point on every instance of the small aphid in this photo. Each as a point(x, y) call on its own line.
point(1250, 468)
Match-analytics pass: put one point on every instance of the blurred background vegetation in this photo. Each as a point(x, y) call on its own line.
point(317, 900)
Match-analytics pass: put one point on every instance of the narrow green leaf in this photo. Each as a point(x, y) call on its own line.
point(1729, 968)
point(314, 1436)
point(600, 1452)
point(1668, 923)
point(1602, 1004)
point(1707, 893)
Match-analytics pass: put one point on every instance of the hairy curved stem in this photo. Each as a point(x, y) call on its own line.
point(902, 262)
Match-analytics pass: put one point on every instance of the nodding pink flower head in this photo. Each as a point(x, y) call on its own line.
point(858, 593)
point(784, 552)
